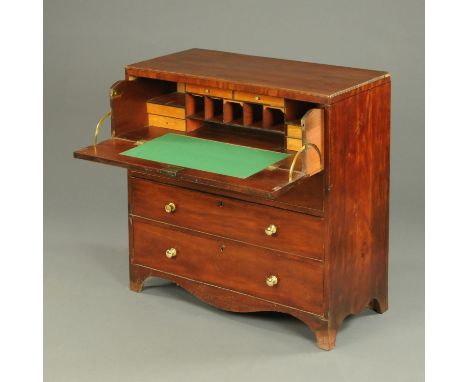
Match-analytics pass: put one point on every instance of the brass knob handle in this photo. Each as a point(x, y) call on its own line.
point(207, 90)
point(271, 281)
point(170, 208)
point(171, 252)
point(271, 230)
point(257, 98)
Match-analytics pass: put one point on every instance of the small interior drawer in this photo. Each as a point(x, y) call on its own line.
point(292, 281)
point(251, 97)
point(205, 90)
point(169, 105)
point(167, 111)
point(293, 144)
point(294, 130)
point(166, 122)
point(251, 223)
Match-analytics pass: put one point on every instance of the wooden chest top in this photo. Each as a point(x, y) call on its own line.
point(270, 76)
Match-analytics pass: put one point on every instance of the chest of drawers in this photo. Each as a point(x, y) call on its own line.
point(307, 236)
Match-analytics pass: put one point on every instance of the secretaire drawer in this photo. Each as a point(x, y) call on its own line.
point(258, 98)
point(214, 92)
point(256, 271)
point(244, 221)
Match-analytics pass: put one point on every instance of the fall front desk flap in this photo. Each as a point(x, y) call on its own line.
point(206, 155)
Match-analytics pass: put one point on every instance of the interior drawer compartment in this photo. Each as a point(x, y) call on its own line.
point(293, 144)
point(294, 129)
point(253, 114)
point(273, 118)
point(213, 109)
point(256, 271)
point(232, 112)
point(169, 105)
point(258, 98)
point(251, 223)
point(166, 122)
point(205, 90)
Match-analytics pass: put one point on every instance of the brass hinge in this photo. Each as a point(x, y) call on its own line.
point(114, 93)
point(170, 170)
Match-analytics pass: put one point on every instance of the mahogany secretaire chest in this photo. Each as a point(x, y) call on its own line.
point(256, 184)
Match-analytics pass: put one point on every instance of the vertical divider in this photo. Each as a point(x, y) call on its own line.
point(227, 111)
point(209, 108)
point(267, 119)
point(248, 114)
point(193, 104)
point(193, 124)
point(189, 104)
point(180, 87)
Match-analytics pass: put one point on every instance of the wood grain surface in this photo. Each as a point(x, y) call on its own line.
point(229, 264)
point(358, 205)
point(259, 75)
point(230, 218)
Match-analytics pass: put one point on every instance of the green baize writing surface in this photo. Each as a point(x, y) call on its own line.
point(206, 155)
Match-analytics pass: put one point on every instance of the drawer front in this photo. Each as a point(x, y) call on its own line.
point(293, 144)
point(168, 111)
point(251, 97)
point(166, 122)
point(294, 131)
point(229, 264)
point(208, 91)
point(244, 221)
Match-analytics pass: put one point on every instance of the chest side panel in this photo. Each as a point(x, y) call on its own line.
point(357, 205)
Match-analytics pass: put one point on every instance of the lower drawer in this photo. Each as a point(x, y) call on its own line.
point(229, 264)
point(295, 233)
